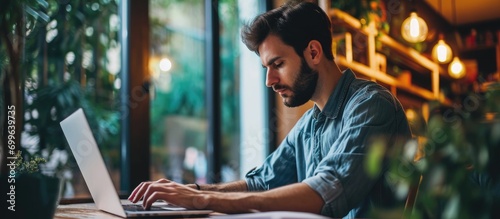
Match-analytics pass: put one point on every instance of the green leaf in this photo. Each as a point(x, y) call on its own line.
point(43, 3)
point(36, 14)
point(374, 159)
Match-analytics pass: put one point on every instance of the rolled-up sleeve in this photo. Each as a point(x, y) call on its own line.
point(340, 178)
point(278, 169)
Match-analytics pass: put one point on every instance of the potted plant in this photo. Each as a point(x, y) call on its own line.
point(34, 85)
point(458, 175)
point(52, 104)
point(30, 194)
point(17, 20)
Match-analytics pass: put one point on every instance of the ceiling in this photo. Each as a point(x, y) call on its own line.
point(467, 11)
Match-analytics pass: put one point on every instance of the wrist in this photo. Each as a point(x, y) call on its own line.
point(193, 186)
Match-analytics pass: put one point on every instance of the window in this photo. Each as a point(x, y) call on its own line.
point(179, 114)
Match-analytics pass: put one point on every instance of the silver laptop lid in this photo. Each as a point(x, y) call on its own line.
point(89, 159)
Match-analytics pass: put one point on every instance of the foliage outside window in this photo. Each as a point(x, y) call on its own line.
point(178, 109)
point(71, 60)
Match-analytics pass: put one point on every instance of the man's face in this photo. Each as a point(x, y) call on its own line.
point(287, 73)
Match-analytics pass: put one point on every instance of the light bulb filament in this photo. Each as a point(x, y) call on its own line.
point(414, 28)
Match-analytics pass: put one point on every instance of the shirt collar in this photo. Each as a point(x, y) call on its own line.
point(337, 98)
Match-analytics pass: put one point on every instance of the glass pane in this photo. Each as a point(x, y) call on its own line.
point(72, 61)
point(254, 134)
point(178, 112)
point(230, 89)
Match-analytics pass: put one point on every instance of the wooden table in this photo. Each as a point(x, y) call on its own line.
point(87, 210)
point(84, 210)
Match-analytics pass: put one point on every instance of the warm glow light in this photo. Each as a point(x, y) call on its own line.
point(442, 52)
point(456, 68)
point(414, 29)
point(165, 64)
point(411, 115)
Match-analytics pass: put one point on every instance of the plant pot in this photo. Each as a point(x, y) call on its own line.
point(30, 196)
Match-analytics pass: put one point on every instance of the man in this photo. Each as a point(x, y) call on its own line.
point(320, 166)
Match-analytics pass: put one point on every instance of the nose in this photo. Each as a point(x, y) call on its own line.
point(271, 77)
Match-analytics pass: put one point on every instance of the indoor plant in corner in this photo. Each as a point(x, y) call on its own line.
point(458, 175)
point(30, 194)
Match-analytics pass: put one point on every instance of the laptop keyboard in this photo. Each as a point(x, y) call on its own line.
point(140, 208)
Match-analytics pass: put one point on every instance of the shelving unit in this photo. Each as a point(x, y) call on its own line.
point(373, 67)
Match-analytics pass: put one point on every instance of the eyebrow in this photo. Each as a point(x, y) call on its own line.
point(271, 61)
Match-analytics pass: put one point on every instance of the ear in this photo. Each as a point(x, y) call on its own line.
point(314, 51)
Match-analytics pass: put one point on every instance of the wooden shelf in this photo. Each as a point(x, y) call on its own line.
point(384, 78)
point(372, 69)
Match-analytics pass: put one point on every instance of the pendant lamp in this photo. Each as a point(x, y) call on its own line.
point(442, 51)
point(414, 28)
point(456, 69)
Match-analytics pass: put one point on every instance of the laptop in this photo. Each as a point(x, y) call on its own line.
point(88, 157)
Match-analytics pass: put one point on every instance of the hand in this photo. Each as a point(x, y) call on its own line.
point(169, 191)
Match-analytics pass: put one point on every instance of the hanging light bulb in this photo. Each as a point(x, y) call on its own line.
point(456, 69)
point(414, 28)
point(442, 51)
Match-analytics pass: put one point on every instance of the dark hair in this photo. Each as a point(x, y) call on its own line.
point(295, 23)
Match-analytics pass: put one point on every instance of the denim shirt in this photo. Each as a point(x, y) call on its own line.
point(327, 149)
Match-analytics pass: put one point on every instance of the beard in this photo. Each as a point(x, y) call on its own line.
point(303, 86)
